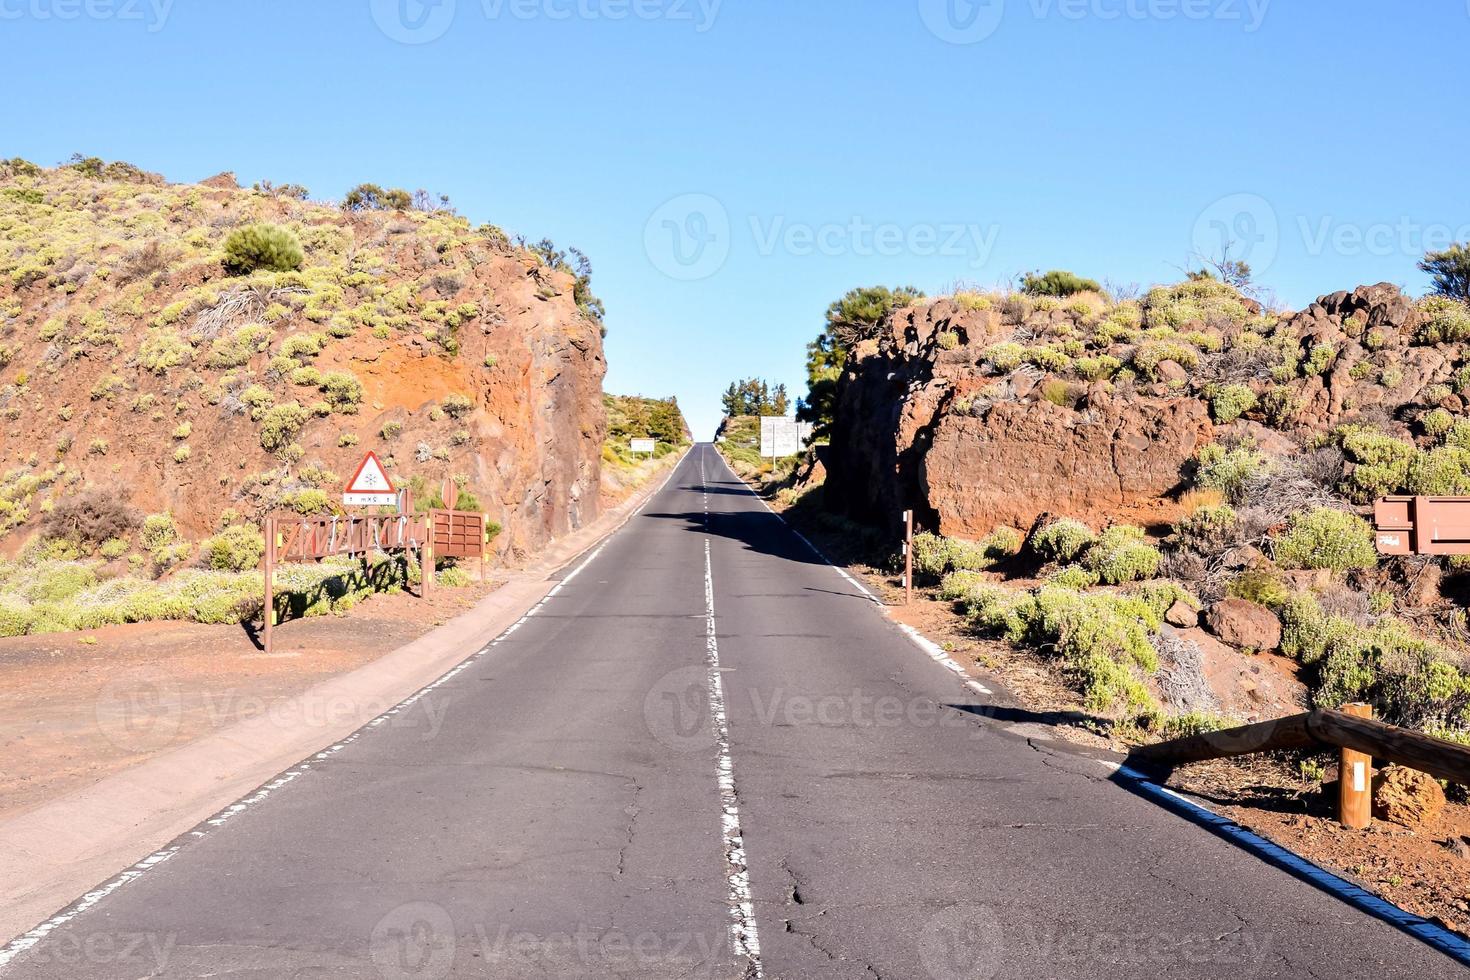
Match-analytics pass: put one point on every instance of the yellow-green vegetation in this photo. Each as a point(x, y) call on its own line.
point(1230, 469)
point(268, 247)
point(1411, 680)
point(1101, 638)
point(935, 555)
point(632, 417)
point(48, 596)
point(235, 549)
point(1230, 402)
point(1384, 465)
point(1326, 538)
point(1119, 554)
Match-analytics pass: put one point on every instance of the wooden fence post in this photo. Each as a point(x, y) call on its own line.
point(268, 558)
point(1355, 779)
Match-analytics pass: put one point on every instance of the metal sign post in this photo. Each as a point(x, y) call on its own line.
point(908, 557)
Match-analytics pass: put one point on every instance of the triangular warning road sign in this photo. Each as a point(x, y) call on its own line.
point(370, 484)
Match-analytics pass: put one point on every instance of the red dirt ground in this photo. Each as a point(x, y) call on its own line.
point(75, 707)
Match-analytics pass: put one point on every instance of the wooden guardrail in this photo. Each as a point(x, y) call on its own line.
point(1353, 731)
point(440, 532)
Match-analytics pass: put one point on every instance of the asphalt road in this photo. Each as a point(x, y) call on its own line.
point(711, 755)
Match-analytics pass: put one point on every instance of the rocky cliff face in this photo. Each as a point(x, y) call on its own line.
point(924, 422)
point(979, 410)
point(133, 361)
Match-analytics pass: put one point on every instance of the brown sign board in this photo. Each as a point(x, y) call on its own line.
point(1422, 525)
point(458, 533)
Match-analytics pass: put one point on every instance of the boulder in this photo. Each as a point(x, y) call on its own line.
point(1171, 371)
point(1242, 623)
point(1407, 797)
point(225, 181)
point(1182, 615)
point(1459, 847)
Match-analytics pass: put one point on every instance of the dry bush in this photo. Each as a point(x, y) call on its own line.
point(90, 518)
point(148, 259)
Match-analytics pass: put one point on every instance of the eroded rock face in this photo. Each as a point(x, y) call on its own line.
point(1021, 459)
point(921, 424)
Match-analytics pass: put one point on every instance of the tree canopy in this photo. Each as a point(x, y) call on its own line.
point(755, 396)
point(1450, 271)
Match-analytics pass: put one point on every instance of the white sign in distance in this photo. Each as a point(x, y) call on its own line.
point(644, 445)
point(370, 485)
point(780, 436)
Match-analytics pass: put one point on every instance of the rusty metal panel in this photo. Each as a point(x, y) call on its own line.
point(1422, 525)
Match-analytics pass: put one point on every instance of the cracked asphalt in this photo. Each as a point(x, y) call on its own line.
point(564, 818)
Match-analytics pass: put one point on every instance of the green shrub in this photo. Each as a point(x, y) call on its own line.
point(1443, 471)
point(343, 391)
point(1436, 422)
point(453, 577)
point(268, 247)
point(235, 549)
point(1160, 595)
point(457, 405)
point(1261, 586)
point(1062, 540)
point(238, 348)
point(1208, 522)
point(307, 376)
point(1098, 368)
point(162, 350)
point(1229, 471)
point(1151, 353)
point(1382, 463)
point(1102, 639)
point(279, 425)
point(1445, 321)
point(1122, 554)
point(303, 345)
point(1208, 301)
point(158, 531)
point(1073, 577)
point(1230, 402)
point(307, 500)
point(1004, 357)
point(391, 430)
point(1057, 282)
point(1326, 538)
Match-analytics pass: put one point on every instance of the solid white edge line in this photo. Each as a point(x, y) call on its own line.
point(32, 937)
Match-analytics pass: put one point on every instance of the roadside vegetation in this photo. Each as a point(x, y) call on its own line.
point(157, 335)
point(1270, 514)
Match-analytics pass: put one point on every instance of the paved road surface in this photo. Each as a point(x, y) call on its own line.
point(710, 755)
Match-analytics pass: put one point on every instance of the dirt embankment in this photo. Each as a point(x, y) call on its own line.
point(134, 359)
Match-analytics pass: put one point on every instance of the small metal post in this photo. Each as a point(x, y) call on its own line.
point(426, 560)
point(908, 557)
point(1355, 779)
point(268, 613)
point(484, 544)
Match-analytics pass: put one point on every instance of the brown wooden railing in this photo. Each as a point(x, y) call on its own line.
point(1353, 731)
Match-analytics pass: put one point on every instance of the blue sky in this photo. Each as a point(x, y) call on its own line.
point(731, 167)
